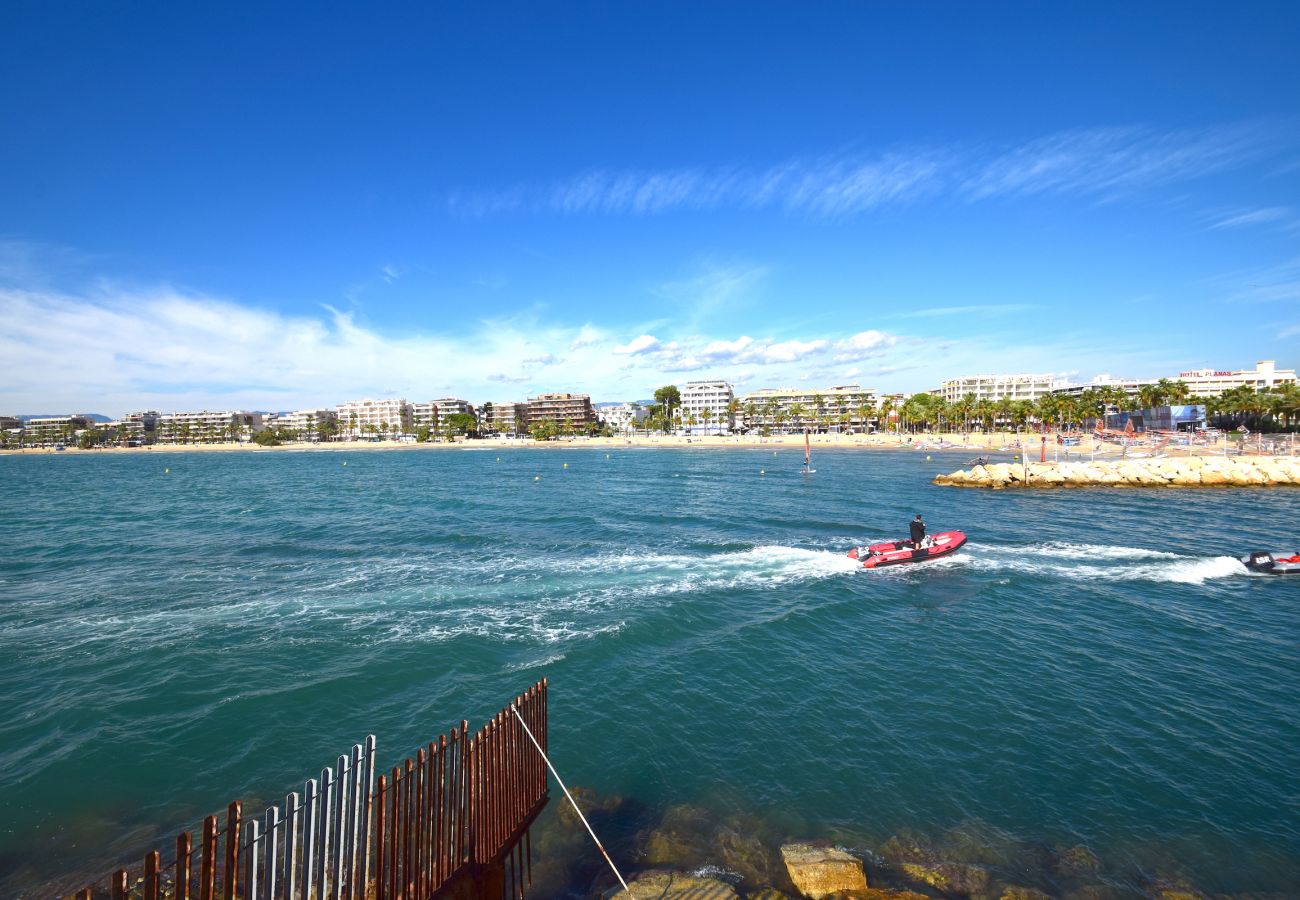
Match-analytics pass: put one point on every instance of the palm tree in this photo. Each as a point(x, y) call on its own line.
point(706, 414)
point(751, 414)
point(798, 414)
point(886, 409)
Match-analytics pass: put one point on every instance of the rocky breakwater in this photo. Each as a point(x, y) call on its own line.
point(1174, 471)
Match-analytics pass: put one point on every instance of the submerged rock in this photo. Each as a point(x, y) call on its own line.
point(682, 839)
point(949, 877)
point(1075, 862)
point(668, 885)
point(819, 870)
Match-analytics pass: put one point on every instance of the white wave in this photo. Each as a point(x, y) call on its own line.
point(536, 663)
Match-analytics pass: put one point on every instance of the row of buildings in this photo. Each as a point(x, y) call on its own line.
point(706, 407)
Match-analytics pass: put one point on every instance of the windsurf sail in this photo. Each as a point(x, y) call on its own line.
point(807, 449)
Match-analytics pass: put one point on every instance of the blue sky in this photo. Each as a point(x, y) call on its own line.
point(216, 206)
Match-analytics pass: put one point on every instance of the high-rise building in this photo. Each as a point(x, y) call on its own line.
point(706, 407)
point(504, 418)
point(572, 410)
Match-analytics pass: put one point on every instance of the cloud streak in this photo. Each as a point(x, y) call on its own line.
point(1105, 162)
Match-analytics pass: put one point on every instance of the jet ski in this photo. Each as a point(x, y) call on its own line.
point(894, 552)
point(1278, 563)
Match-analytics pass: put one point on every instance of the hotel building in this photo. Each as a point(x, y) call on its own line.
point(574, 410)
point(623, 418)
point(187, 427)
point(776, 407)
point(995, 387)
point(354, 417)
point(52, 429)
point(708, 405)
point(1130, 386)
point(1208, 382)
point(505, 418)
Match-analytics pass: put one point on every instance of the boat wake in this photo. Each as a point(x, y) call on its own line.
point(1097, 563)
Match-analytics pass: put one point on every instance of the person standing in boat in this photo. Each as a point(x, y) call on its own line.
point(917, 526)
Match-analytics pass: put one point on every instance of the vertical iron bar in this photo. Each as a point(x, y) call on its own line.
point(396, 839)
point(117, 885)
point(310, 803)
point(251, 883)
point(184, 850)
point(408, 797)
point(233, 813)
point(418, 830)
point(339, 818)
point(370, 810)
point(323, 828)
point(381, 885)
point(152, 863)
point(292, 825)
point(271, 854)
point(208, 859)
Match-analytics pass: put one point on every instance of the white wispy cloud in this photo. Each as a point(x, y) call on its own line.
point(989, 309)
point(1253, 217)
point(1107, 162)
point(1113, 160)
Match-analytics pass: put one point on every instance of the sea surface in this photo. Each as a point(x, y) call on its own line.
point(178, 630)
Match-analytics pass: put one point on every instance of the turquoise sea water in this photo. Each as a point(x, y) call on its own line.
point(1095, 668)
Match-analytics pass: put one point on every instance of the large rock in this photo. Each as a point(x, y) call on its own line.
point(819, 870)
point(668, 885)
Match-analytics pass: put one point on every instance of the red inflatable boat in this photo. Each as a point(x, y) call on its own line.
point(895, 552)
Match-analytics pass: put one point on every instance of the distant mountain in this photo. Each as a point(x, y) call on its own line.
point(94, 417)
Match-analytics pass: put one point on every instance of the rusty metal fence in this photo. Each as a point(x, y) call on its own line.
point(460, 808)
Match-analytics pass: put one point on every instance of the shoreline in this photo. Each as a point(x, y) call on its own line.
point(1003, 444)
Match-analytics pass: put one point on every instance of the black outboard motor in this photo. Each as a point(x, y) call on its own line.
point(1260, 561)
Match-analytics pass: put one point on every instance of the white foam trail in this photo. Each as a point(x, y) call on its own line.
point(1067, 550)
point(1099, 563)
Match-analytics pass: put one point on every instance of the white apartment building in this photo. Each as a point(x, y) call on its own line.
point(623, 418)
point(307, 422)
point(708, 405)
point(451, 406)
point(995, 387)
point(799, 408)
point(206, 426)
point(362, 417)
point(424, 414)
point(505, 418)
point(1208, 382)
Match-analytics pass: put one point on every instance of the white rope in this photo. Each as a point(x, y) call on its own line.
point(599, 845)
